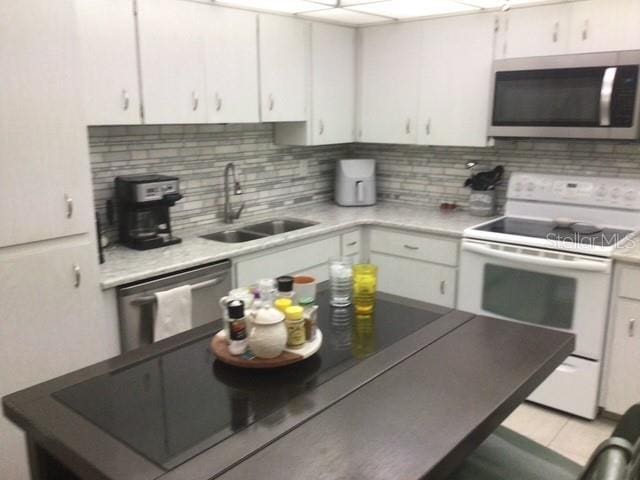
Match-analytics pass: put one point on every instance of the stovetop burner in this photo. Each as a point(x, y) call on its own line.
point(571, 232)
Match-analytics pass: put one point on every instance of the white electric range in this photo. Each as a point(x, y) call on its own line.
point(548, 262)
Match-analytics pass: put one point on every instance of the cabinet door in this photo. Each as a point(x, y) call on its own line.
point(284, 45)
point(536, 31)
point(422, 281)
point(49, 326)
point(109, 63)
point(604, 25)
point(623, 382)
point(455, 80)
point(333, 67)
point(389, 67)
point(231, 61)
point(44, 160)
point(171, 37)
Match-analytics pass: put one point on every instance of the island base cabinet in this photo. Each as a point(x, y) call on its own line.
point(414, 279)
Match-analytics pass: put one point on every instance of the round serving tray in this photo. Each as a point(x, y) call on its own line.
point(289, 356)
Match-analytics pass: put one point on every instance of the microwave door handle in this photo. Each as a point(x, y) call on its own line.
point(606, 93)
point(360, 191)
point(584, 265)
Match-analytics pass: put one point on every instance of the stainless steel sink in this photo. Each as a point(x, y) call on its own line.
point(258, 230)
point(233, 236)
point(273, 227)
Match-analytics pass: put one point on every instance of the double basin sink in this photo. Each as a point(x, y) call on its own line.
point(258, 230)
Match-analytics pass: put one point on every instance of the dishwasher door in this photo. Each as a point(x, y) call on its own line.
point(137, 302)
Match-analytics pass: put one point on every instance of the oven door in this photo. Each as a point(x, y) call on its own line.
point(552, 289)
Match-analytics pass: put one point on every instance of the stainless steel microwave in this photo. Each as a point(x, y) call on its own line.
point(570, 96)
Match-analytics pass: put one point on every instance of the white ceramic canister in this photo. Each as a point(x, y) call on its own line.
point(268, 333)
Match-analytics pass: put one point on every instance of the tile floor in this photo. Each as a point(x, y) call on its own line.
point(573, 437)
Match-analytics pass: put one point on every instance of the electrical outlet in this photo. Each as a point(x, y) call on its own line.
point(303, 169)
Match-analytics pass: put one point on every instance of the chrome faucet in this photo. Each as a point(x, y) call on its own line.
point(229, 214)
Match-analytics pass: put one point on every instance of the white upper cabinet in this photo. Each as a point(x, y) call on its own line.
point(529, 32)
point(331, 90)
point(172, 60)
point(231, 61)
point(283, 45)
point(333, 84)
point(109, 64)
point(388, 83)
point(604, 25)
point(455, 80)
point(44, 167)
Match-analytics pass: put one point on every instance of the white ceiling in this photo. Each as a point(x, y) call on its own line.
point(367, 12)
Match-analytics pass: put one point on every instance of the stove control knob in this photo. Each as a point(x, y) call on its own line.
point(630, 195)
point(615, 193)
point(518, 187)
point(531, 187)
point(601, 191)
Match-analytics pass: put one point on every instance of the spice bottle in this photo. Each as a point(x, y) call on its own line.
point(295, 326)
point(282, 304)
point(310, 316)
point(285, 287)
point(237, 327)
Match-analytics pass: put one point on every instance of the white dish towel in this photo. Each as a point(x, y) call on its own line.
point(173, 314)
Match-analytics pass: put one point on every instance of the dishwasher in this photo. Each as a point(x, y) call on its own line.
point(137, 302)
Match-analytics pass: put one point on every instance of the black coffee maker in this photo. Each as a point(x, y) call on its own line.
point(143, 210)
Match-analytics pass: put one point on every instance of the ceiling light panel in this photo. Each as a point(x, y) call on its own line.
point(280, 6)
point(348, 17)
point(414, 8)
point(501, 3)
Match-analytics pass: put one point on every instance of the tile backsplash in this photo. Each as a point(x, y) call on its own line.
point(425, 175)
point(275, 178)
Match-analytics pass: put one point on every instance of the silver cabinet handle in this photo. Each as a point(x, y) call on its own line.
point(77, 274)
point(69, 201)
point(360, 133)
point(352, 244)
point(218, 102)
point(321, 127)
point(585, 30)
point(410, 247)
point(427, 127)
point(443, 286)
point(632, 327)
point(125, 100)
point(194, 100)
point(407, 127)
point(271, 102)
point(556, 28)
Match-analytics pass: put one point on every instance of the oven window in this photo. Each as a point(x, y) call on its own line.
point(532, 297)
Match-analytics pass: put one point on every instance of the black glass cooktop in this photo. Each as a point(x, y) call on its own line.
point(582, 233)
point(178, 404)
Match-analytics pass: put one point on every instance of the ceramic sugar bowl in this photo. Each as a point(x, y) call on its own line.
point(268, 333)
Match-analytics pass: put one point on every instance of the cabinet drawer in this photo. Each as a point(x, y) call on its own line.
point(415, 279)
point(629, 285)
point(351, 243)
point(296, 259)
point(420, 247)
point(572, 387)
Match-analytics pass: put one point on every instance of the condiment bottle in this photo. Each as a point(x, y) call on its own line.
point(310, 316)
point(282, 304)
point(295, 326)
point(237, 327)
point(285, 287)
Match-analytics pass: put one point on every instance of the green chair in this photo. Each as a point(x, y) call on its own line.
point(507, 455)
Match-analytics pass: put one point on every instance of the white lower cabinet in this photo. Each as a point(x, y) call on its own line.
point(621, 384)
point(407, 265)
point(51, 323)
point(309, 258)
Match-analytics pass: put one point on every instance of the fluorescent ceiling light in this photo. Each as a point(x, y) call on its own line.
point(501, 3)
point(413, 8)
point(282, 6)
point(348, 17)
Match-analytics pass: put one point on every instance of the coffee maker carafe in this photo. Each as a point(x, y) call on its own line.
point(143, 210)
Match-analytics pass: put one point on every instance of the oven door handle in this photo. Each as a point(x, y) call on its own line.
point(584, 265)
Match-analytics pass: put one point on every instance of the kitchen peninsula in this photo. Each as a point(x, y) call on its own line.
point(405, 393)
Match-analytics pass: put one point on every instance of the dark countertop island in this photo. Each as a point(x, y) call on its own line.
point(405, 393)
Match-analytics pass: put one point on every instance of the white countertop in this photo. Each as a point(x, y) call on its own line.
point(124, 265)
point(629, 252)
